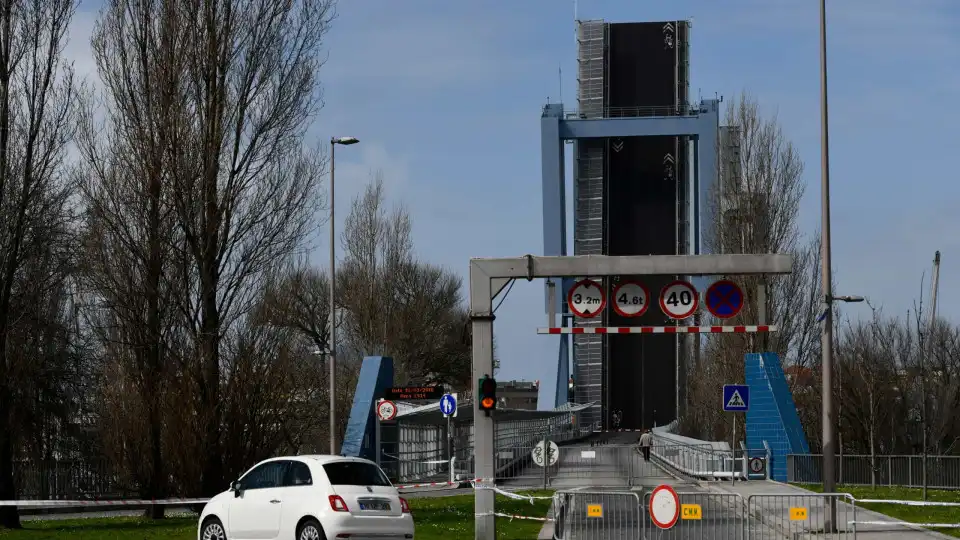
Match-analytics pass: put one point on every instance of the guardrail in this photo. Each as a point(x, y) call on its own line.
point(703, 461)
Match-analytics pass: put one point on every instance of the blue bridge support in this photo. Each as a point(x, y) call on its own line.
point(376, 375)
point(772, 417)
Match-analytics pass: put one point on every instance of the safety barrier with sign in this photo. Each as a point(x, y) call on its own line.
point(596, 515)
point(698, 515)
point(801, 516)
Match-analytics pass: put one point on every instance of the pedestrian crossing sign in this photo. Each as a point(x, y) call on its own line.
point(736, 397)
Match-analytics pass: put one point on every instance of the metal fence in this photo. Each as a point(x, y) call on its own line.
point(413, 452)
point(801, 516)
point(577, 465)
point(601, 515)
point(703, 461)
point(943, 472)
point(66, 479)
point(702, 515)
point(589, 515)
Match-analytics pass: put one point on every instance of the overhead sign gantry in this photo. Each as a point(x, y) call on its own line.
point(489, 276)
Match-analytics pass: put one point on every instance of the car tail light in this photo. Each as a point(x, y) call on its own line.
point(337, 504)
point(404, 507)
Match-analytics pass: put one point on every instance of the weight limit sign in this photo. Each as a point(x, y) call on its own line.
point(631, 299)
point(679, 300)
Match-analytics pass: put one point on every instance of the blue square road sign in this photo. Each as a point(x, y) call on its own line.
point(736, 397)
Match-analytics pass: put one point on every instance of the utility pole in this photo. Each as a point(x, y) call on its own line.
point(928, 347)
point(826, 278)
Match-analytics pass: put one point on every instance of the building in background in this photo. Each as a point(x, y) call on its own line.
point(518, 394)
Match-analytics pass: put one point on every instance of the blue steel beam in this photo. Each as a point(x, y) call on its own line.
point(702, 127)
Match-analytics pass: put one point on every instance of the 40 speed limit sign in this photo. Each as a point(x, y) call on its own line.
point(631, 299)
point(679, 299)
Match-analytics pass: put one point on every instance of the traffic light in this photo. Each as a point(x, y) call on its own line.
point(570, 390)
point(487, 396)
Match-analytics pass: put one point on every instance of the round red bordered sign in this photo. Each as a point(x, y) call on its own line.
point(664, 506)
point(631, 299)
point(386, 410)
point(586, 298)
point(724, 299)
point(679, 299)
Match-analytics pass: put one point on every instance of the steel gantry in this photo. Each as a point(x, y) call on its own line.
point(489, 276)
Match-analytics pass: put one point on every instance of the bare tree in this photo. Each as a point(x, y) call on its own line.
point(37, 104)
point(242, 89)
point(395, 304)
point(755, 208)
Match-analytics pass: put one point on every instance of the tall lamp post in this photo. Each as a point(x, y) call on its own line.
point(334, 141)
point(826, 278)
point(826, 351)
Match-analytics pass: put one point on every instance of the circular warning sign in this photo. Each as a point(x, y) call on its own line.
point(724, 299)
point(756, 465)
point(586, 298)
point(630, 299)
point(679, 300)
point(664, 506)
point(386, 410)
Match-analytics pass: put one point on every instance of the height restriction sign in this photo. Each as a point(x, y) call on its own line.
point(586, 298)
point(630, 299)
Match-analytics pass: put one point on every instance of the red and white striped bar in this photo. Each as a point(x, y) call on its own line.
point(660, 330)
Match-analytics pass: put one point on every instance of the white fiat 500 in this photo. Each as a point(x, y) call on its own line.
point(308, 498)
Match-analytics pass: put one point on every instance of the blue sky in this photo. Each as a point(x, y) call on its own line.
point(446, 98)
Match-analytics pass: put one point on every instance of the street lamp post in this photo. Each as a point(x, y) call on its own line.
point(826, 336)
point(334, 141)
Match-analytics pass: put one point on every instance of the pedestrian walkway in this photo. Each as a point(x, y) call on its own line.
point(864, 532)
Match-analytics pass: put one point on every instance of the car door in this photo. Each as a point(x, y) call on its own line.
point(255, 513)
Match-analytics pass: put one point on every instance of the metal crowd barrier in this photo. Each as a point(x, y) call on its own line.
point(602, 515)
point(710, 516)
point(801, 516)
point(596, 515)
point(608, 466)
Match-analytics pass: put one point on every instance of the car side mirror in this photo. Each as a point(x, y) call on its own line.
point(235, 488)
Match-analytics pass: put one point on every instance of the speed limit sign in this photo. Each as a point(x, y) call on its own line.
point(679, 300)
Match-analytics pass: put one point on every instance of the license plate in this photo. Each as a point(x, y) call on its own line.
point(381, 506)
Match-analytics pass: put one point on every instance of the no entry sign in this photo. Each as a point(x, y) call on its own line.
point(724, 299)
point(664, 506)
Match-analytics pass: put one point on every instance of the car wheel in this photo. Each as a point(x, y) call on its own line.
point(213, 530)
point(310, 530)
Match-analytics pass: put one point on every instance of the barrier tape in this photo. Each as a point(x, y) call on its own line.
point(512, 495)
point(513, 516)
point(909, 524)
point(83, 503)
point(907, 503)
point(476, 483)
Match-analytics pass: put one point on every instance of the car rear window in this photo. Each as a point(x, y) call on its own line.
point(355, 473)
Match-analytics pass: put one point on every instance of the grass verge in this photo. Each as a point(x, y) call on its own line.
point(913, 514)
point(437, 518)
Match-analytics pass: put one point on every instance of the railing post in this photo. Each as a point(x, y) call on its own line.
point(766, 446)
